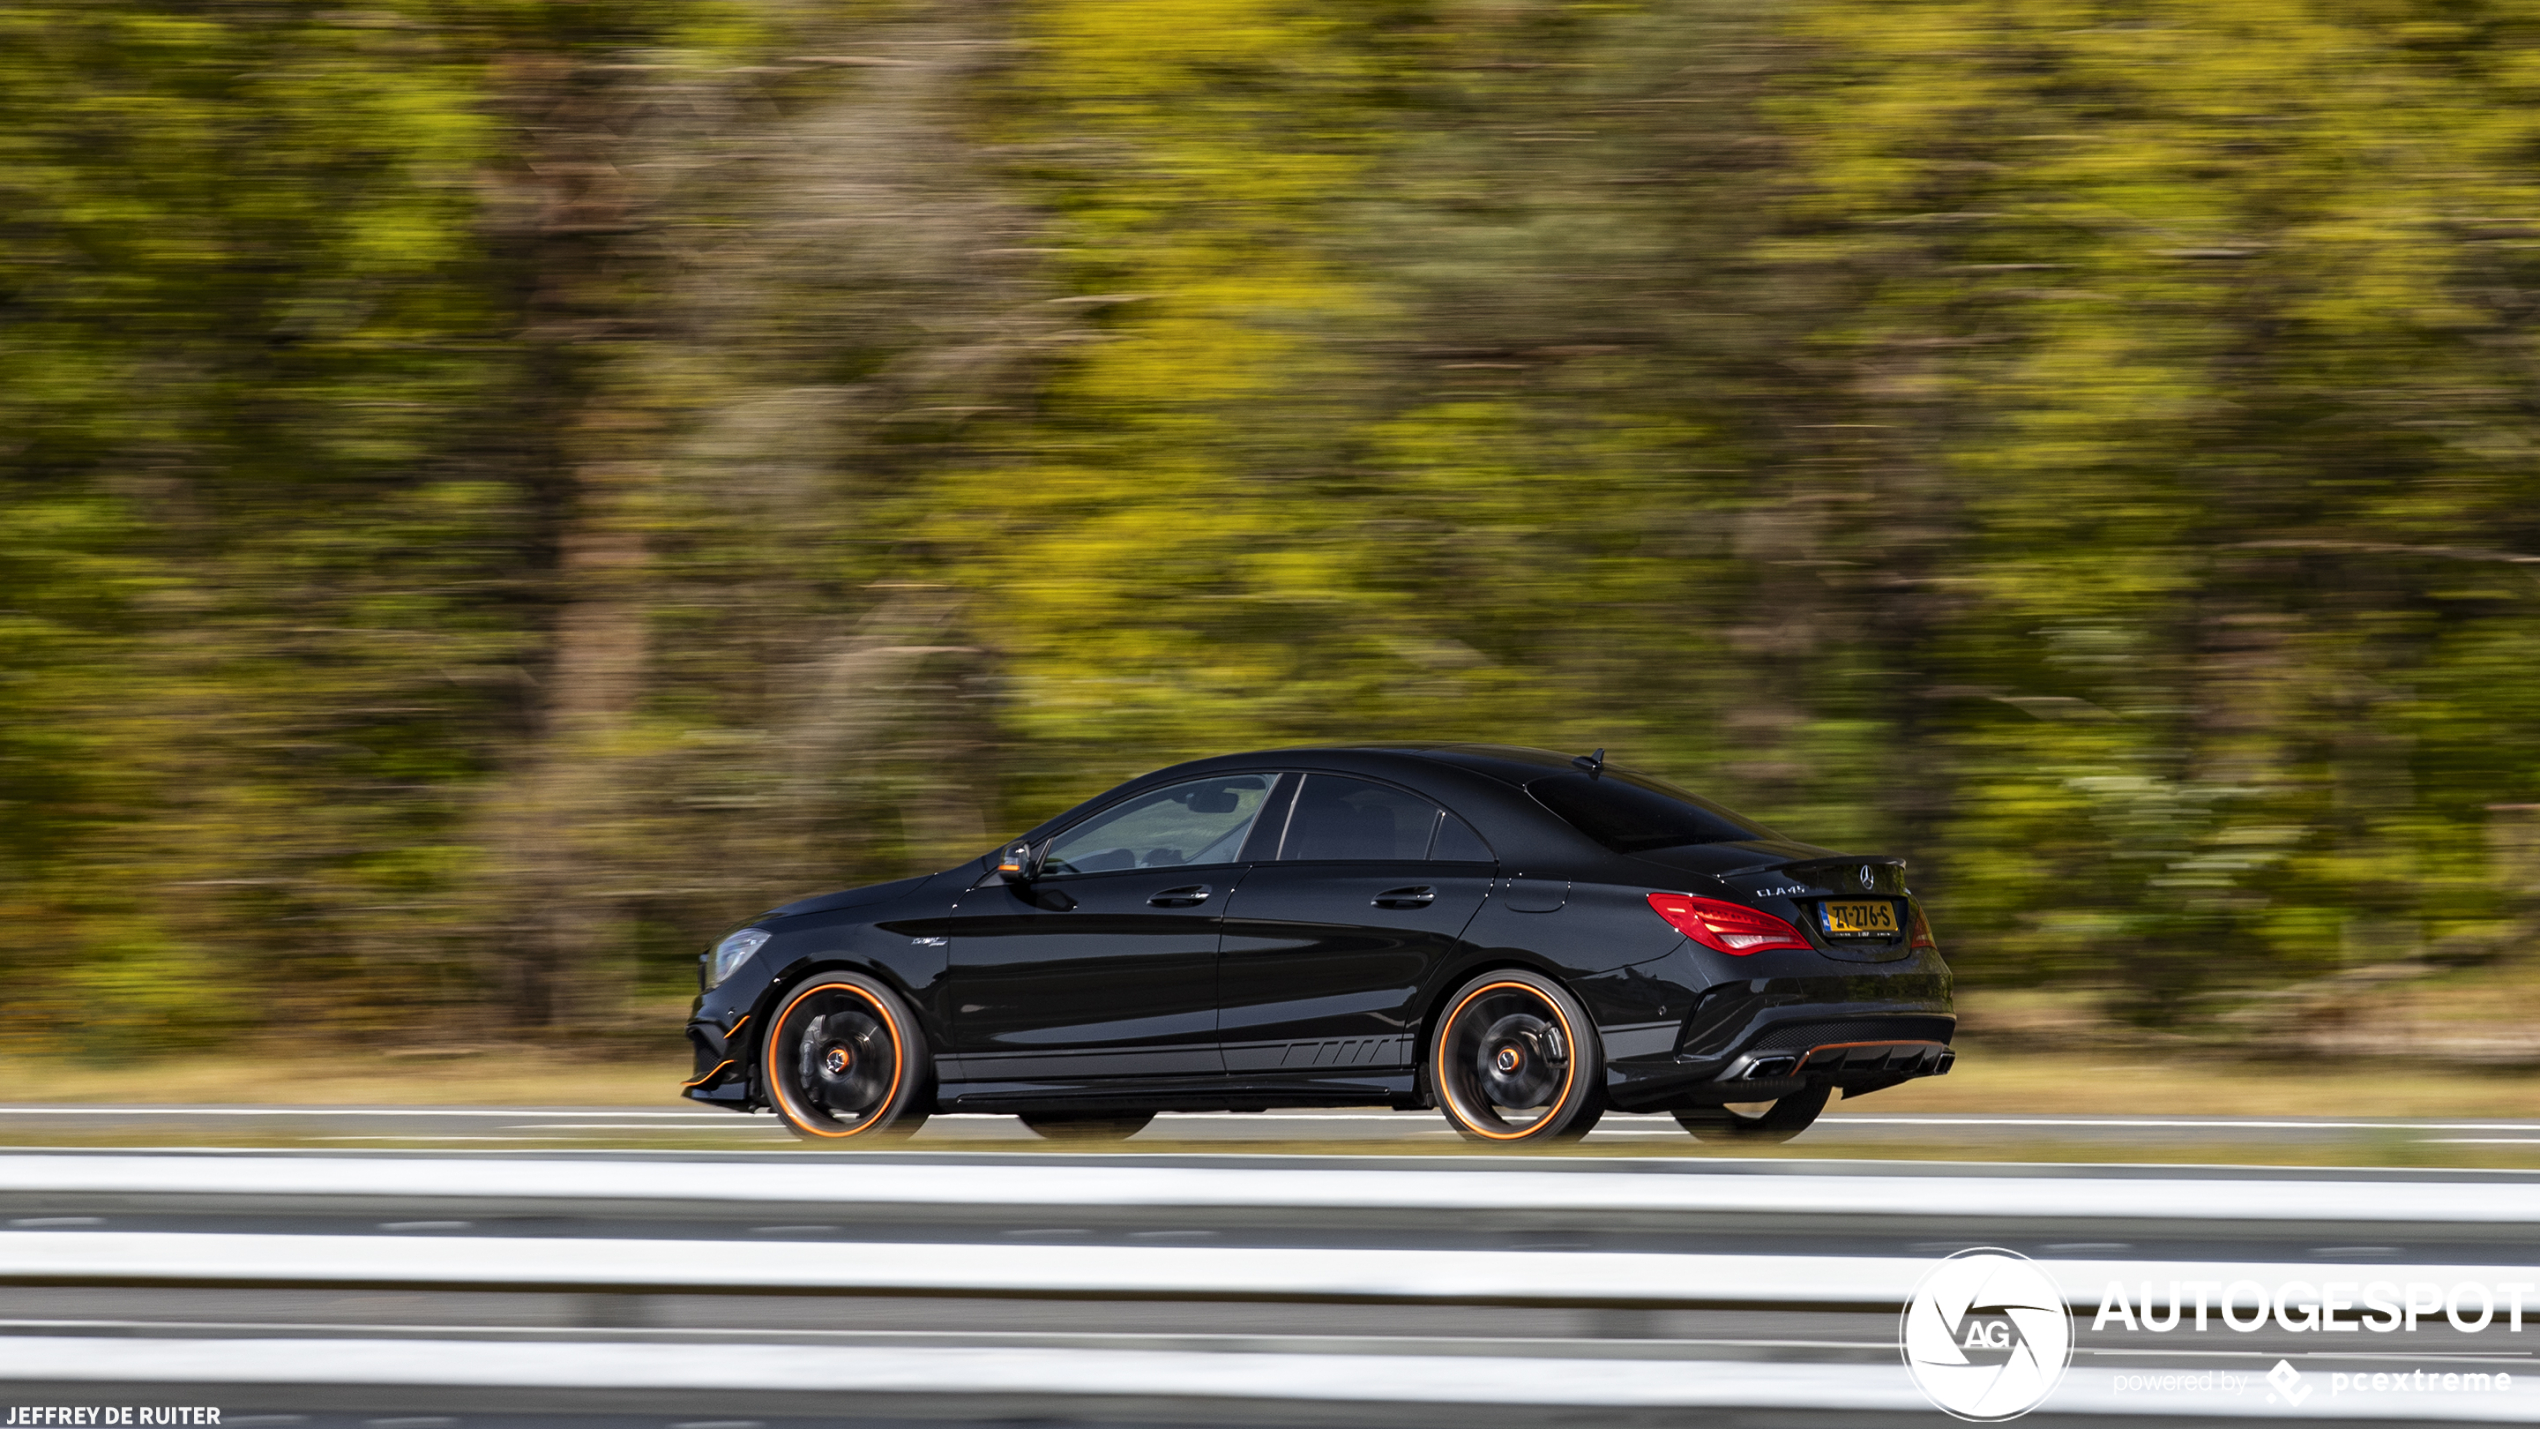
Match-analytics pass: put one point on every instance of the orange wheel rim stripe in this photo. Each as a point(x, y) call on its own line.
point(1448, 1087)
point(777, 1084)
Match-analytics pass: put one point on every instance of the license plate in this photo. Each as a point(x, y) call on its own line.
point(1869, 918)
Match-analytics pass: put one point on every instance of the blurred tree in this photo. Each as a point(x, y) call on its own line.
point(2203, 320)
point(246, 557)
point(493, 490)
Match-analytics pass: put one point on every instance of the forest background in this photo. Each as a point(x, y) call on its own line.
point(495, 492)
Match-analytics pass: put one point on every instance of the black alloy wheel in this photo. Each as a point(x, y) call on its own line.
point(1756, 1122)
point(1086, 1126)
point(844, 1059)
point(1517, 1062)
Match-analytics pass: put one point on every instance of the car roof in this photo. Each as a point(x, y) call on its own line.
point(1508, 763)
point(1482, 782)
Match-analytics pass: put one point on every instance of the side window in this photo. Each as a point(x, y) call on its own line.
point(1203, 821)
point(1338, 818)
point(1457, 843)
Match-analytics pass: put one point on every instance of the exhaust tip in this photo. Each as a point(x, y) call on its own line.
point(1779, 1064)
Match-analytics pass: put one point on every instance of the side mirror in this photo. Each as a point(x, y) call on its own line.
point(1021, 862)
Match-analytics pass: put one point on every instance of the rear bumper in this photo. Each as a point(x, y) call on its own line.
point(1841, 1063)
point(1854, 1049)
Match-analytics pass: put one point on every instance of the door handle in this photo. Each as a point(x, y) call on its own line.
point(1190, 897)
point(1405, 898)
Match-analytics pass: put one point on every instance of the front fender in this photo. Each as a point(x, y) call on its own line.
point(908, 955)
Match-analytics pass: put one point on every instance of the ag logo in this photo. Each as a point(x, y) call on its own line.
point(1987, 1336)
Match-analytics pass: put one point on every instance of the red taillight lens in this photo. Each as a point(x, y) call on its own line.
point(1731, 928)
point(1922, 932)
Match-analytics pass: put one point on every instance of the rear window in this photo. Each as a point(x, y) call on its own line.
point(1629, 813)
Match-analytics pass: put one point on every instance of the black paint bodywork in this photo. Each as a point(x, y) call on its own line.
point(1288, 986)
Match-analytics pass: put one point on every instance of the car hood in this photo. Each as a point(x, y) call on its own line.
point(849, 898)
point(1726, 858)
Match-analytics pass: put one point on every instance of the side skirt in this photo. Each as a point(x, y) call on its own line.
point(1252, 1093)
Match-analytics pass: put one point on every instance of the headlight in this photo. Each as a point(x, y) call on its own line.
point(728, 955)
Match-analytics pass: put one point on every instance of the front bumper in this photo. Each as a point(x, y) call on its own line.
point(718, 1076)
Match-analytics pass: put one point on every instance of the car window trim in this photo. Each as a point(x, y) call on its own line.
point(1282, 802)
point(1437, 827)
point(1440, 836)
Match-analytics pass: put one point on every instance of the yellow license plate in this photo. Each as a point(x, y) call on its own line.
point(1868, 918)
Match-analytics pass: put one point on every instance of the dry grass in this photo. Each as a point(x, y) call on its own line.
point(350, 1080)
point(1991, 1080)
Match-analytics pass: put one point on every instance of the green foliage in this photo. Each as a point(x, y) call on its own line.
point(493, 490)
point(2205, 318)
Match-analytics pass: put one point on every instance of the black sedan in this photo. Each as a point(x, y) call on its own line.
point(1517, 938)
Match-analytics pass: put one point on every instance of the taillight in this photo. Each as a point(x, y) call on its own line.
point(1731, 928)
point(1922, 933)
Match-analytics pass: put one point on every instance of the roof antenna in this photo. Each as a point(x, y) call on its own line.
point(1594, 764)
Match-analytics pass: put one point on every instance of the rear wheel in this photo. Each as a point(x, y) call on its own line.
point(1756, 1122)
point(1083, 1126)
point(1515, 1061)
point(844, 1059)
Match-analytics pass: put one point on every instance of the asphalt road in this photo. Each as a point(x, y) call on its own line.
point(1866, 1132)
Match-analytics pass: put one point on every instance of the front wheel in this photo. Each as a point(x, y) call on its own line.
point(1516, 1062)
point(844, 1059)
point(1757, 1123)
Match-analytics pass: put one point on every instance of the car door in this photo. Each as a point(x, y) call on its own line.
point(1105, 966)
point(1327, 945)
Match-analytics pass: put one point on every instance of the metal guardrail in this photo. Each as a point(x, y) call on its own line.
point(1036, 1374)
point(1195, 1385)
point(1192, 1384)
point(1673, 1188)
point(1472, 1277)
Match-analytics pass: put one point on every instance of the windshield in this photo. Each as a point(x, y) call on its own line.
point(1630, 813)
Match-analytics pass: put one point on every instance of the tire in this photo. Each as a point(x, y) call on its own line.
point(1516, 1062)
point(844, 1061)
point(1086, 1126)
point(1778, 1121)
